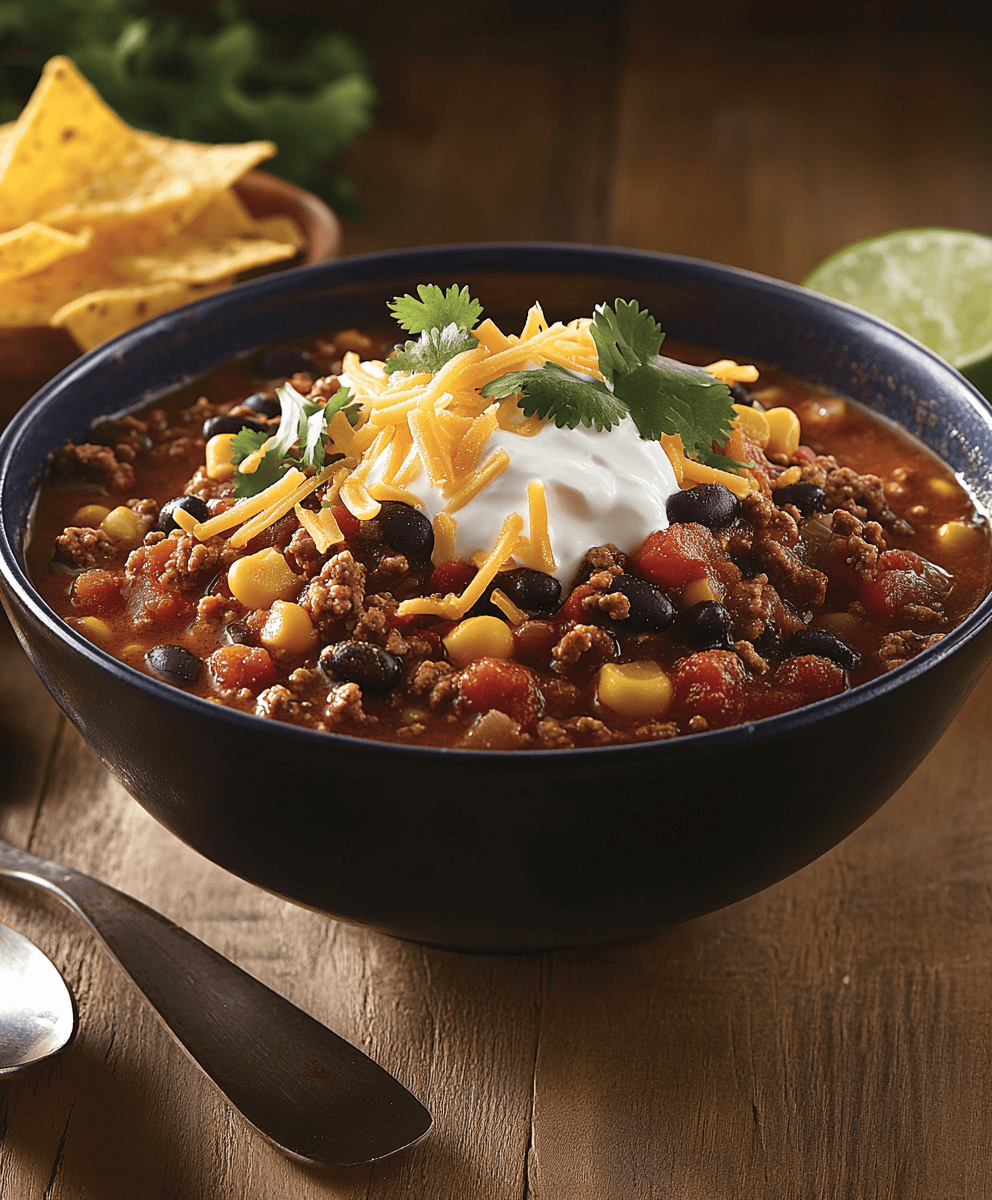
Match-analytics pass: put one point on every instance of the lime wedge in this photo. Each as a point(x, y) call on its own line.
point(935, 284)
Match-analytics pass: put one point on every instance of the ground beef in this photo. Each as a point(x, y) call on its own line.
point(344, 703)
point(193, 563)
point(897, 648)
point(751, 658)
point(553, 735)
point(862, 543)
point(278, 703)
point(324, 388)
point(97, 463)
point(601, 558)
point(775, 533)
point(304, 553)
point(755, 606)
point(206, 488)
point(337, 593)
point(585, 647)
point(862, 495)
point(84, 548)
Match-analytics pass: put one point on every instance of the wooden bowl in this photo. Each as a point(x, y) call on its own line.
point(32, 354)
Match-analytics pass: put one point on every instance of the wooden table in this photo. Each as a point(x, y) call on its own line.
point(826, 1039)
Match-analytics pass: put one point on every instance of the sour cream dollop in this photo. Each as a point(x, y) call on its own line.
point(599, 487)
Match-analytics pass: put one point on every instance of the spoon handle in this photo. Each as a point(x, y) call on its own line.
point(306, 1090)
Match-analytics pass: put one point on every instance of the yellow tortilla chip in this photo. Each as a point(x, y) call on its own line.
point(223, 216)
point(34, 246)
point(189, 260)
point(101, 315)
point(282, 229)
point(66, 144)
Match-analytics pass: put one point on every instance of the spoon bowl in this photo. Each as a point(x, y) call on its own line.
point(37, 1012)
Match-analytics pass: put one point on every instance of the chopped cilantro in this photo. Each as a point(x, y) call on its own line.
point(431, 350)
point(436, 309)
point(661, 395)
point(559, 395)
point(303, 424)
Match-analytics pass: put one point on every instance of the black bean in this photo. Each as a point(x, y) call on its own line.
point(740, 395)
point(286, 361)
point(651, 611)
point(226, 424)
point(370, 667)
point(705, 626)
point(823, 643)
point(709, 504)
point(196, 508)
point(533, 591)
point(237, 633)
point(264, 403)
point(406, 530)
point(173, 664)
point(807, 497)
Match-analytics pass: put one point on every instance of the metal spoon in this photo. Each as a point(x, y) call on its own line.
point(37, 1013)
point(306, 1090)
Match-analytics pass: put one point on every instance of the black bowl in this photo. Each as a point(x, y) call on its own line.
point(506, 850)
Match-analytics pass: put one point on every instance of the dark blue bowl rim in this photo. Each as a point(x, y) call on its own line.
point(510, 258)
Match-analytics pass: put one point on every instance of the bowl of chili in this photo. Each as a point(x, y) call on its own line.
point(506, 849)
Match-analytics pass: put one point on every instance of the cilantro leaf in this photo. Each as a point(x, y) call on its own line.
point(436, 309)
point(668, 396)
point(559, 395)
point(343, 401)
point(269, 470)
point(431, 350)
point(246, 441)
point(625, 338)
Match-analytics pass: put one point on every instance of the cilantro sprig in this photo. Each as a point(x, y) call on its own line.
point(300, 441)
point(444, 321)
point(661, 395)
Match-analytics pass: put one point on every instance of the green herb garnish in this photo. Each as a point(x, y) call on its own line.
point(298, 443)
point(443, 320)
point(661, 395)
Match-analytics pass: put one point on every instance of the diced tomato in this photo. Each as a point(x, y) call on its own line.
point(150, 560)
point(813, 677)
point(507, 686)
point(162, 605)
point(805, 454)
point(710, 684)
point(771, 703)
point(95, 592)
point(453, 576)
point(235, 667)
point(346, 522)
point(902, 578)
point(745, 449)
point(571, 610)
point(675, 556)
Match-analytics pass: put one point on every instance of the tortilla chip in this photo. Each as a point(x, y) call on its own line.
point(101, 315)
point(66, 145)
point(189, 260)
point(282, 229)
point(224, 215)
point(34, 246)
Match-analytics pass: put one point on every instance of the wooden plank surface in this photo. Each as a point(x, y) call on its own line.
point(826, 1039)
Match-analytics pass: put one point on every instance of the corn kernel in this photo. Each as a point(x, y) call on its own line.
point(640, 689)
point(792, 475)
point(90, 516)
point(957, 537)
point(220, 457)
point(698, 591)
point(753, 422)
point(785, 431)
point(93, 628)
point(945, 488)
point(288, 628)
point(479, 637)
point(259, 580)
point(124, 525)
